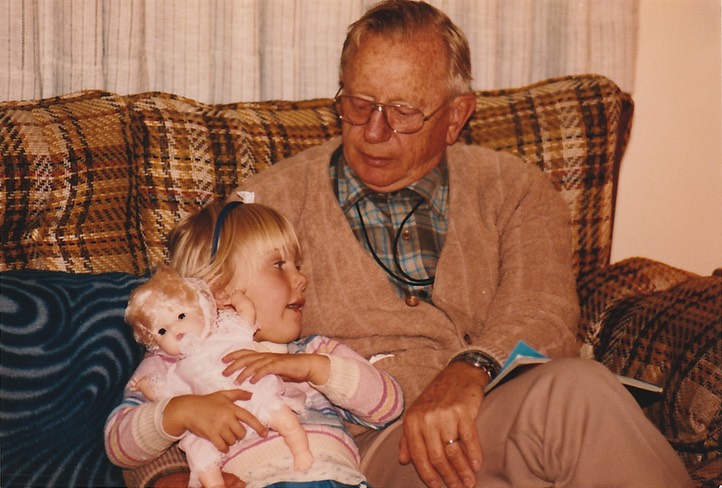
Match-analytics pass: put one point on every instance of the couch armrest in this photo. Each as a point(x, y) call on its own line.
point(662, 325)
point(633, 277)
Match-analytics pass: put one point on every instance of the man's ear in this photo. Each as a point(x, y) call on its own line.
point(462, 106)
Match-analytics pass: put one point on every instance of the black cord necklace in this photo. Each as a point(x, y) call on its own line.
point(404, 278)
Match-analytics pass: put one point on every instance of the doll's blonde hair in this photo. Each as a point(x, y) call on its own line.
point(249, 231)
point(166, 289)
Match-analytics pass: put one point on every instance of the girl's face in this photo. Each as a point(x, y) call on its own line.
point(276, 289)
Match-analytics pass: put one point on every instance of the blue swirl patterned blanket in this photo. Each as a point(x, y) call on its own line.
point(65, 356)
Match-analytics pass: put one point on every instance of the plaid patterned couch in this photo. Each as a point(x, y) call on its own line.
point(92, 182)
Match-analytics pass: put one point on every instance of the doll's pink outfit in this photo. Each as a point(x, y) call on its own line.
point(199, 372)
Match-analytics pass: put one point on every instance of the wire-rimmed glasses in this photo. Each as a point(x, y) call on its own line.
point(403, 119)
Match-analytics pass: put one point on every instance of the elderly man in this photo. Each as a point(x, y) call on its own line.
point(437, 258)
point(433, 259)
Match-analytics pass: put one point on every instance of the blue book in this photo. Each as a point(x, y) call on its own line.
point(524, 355)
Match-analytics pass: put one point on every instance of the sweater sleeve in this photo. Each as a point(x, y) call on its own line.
point(369, 396)
point(527, 224)
point(536, 297)
point(133, 432)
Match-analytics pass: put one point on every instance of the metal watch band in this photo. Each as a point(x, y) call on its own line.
point(479, 360)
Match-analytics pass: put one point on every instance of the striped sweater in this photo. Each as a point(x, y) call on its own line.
point(355, 392)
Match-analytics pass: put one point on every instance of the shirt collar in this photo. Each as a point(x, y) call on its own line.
point(350, 189)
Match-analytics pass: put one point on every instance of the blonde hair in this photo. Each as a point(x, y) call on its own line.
point(405, 19)
point(248, 232)
point(165, 289)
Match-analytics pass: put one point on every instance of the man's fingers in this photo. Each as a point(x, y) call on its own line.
point(416, 449)
point(461, 467)
point(471, 444)
point(404, 456)
point(441, 462)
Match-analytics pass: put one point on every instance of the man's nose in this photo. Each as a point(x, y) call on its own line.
point(378, 128)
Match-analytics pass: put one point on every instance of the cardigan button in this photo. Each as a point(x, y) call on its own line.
point(467, 339)
point(412, 300)
point(406, 235)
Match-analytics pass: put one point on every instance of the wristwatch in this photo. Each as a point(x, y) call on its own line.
point(479, 360)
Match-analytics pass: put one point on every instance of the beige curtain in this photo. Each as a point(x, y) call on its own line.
point(223, 51)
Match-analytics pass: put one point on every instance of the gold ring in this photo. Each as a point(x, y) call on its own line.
point(452, 441)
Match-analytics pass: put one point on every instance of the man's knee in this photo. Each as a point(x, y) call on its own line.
point(580, 379)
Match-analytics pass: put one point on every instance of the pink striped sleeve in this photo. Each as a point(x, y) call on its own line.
point(133, 432)
point(370, 394)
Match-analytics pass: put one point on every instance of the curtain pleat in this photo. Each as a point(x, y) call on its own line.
point(221, 51)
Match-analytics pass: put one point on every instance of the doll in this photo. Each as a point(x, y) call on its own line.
point(176, 318)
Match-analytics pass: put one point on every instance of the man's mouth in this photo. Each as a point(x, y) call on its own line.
point(376, 162)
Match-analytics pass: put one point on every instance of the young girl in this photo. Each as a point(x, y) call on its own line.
point(176, 319)
point(252, 249)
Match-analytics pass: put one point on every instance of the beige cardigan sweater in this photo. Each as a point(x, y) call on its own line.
point(504, 274)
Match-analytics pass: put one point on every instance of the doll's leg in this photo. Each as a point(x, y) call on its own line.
point(203, 461)
point(285, 422)
point(212, 478)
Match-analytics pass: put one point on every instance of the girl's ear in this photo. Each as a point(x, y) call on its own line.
point(462, 106)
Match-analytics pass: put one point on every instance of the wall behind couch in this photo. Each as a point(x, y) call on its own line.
point(669, 205)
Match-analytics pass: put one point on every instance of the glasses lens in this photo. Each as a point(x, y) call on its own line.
point(404, 119)
point(401, 118)
point(353, 110)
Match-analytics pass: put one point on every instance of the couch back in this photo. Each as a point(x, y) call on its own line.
point(94, 181)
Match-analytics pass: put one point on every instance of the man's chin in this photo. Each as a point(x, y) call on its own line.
point(382, 183)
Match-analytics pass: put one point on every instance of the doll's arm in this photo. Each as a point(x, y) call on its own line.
point(241, 304)
point(143, 385)
point(148, 377)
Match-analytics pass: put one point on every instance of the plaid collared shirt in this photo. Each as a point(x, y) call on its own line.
point(382, 215)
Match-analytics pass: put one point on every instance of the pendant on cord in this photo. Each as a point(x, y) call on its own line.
point(403, 278)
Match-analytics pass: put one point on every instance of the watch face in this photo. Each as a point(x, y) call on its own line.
point(480, 361)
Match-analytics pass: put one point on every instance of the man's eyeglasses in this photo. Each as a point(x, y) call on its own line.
point(403, 119)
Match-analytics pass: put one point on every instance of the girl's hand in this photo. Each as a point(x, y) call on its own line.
point(314, 368)
point(214, 417)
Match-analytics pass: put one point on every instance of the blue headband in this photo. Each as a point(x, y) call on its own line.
point(219, 224)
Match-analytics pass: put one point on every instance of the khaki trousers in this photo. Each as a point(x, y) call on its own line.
point(568, 422)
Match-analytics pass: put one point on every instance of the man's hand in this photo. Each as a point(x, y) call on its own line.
point(214, 417)
point(446, 411)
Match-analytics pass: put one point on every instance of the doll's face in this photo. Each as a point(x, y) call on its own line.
point(173, 324)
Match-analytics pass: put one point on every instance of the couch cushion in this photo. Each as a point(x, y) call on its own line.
point(68, 202)
point(193, 153)
point(96, 181)
point(575, 129)
point(631, 277)
point(673, 338)
point(66, 356)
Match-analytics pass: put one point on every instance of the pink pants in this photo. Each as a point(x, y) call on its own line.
point(568, 422)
